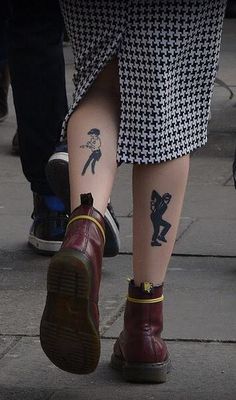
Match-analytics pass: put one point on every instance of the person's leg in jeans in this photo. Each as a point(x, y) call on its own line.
point(37, 71)
point(4, 71)
point(38, 81)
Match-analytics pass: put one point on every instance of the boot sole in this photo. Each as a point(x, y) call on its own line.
point(142, 372)
point(68, 334)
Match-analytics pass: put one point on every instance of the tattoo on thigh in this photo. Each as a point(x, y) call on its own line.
point(93, 144)
point(159, 205)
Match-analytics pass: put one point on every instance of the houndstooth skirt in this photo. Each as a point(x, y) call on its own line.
point(168, 54)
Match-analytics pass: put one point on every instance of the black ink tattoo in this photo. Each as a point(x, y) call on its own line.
point(94, 145)
point(159, 205)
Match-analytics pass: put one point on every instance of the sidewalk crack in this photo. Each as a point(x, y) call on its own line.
point(11, 346)
point(186, 229)
point(110, 320)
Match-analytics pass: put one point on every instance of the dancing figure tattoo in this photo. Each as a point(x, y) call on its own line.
point(159, 205)
point(93, 145)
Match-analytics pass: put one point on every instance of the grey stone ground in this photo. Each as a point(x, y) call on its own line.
point(200, 322)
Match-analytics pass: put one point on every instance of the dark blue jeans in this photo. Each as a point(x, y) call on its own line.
point(3, 52)
point(3, 25)
point(37, 70)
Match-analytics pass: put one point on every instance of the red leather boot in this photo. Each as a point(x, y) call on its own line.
point(69, 330)
point(140, 353)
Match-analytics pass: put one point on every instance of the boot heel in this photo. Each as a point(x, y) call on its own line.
point(69, 274)
point(67, 332)
point(143, 373)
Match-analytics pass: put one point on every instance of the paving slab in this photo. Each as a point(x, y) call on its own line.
point(227, 62)
point(10, 170)
point(223, 108)
point(209, 236)
point(228, 37)
point(122, 191)
point(21, 311)
point(15, 199)
point(200, 371)
point(219, 145)
point(14, 235)
point(6, 343)
point(199, 300)
point(216, 202)
point(214, 171)
point(227, 67)
point(13, 393)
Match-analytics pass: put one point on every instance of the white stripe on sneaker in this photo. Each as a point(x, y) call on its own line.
point(44, 245)
point(61, 155)
point(111, 221)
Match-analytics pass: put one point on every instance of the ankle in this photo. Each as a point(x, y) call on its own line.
point(146, 282)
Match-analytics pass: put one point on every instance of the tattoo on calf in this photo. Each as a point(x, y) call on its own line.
point(159, 205)
point(93, 145)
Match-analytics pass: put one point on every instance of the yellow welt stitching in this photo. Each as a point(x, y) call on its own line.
point(145, 301)
point(90, 219)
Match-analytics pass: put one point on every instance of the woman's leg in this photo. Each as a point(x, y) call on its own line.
point(99, 111)
point(158, 192)
point(74, 273)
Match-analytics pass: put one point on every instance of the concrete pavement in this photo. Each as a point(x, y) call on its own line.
point(200, 322)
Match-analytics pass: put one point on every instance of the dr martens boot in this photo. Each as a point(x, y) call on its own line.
point(140, 353)
point(69, 330)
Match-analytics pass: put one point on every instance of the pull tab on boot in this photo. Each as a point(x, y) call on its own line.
point(86, 199)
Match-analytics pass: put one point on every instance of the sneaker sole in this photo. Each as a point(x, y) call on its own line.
point(68, 334)
point(44, 247)
point(142, 372)
point(58, 178)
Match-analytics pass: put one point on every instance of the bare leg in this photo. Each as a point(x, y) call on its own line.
point(150, 261)
point(75, 271)
point(100, 111)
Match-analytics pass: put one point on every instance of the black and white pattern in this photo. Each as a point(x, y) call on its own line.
point(168, 53)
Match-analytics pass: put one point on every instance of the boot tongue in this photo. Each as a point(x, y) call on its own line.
point(86, 199)
point(86, 208)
